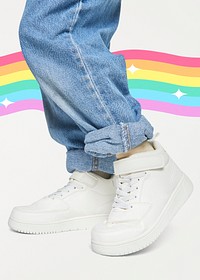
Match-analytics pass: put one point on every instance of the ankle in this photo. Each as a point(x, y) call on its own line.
point(102, 174)
point(143, 147)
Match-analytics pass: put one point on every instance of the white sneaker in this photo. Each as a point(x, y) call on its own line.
point(150, 190)
point(85, 200)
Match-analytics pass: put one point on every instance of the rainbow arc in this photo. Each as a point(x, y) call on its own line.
point(159, 81)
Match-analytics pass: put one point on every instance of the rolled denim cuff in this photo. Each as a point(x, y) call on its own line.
point(117, 138)
point(77, 159)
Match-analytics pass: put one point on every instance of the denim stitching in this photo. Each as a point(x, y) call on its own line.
point(75, 18)
point(91, 81)
point(125, 136)
point(128, 136)
point(95, 162)
point(85, 67)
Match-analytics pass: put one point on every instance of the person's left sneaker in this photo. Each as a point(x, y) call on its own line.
point(151, 189)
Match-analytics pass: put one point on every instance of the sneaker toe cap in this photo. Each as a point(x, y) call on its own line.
point(44, 210)
point(110, 233)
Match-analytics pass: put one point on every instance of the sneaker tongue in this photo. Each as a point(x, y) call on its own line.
point(155, 159)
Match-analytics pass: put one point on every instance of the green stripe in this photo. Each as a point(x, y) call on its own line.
point(161, 86)
point(132, 84)
point(22, 85)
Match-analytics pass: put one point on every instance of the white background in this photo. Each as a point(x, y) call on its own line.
point(33, 165)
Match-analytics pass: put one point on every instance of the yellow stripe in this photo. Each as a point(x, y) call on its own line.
point(164, 77)
point(139, 74)
point(16, 77)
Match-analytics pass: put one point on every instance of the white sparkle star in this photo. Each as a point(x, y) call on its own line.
point(6, 102)
point(179, 94)
point(132, 68)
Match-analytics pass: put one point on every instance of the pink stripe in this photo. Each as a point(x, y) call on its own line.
point(145, 104)
point(161, 57)
point(11, 58)
point(128, 54)
point(21, 106)
point(170, 108)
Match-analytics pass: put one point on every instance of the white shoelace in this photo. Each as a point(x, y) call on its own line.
point(129, 186)
point(128, 190)
point(72, 185)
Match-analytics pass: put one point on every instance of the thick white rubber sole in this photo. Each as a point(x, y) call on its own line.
point(180, 195)
point(80, 223)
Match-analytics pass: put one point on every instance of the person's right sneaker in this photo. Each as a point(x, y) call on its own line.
point(151, 189)
point(85, 200)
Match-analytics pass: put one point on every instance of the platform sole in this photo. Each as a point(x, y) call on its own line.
point(80, 223)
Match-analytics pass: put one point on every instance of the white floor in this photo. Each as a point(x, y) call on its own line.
point(32, 165)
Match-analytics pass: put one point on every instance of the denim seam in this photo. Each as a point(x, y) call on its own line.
point(129, 137)
point(91, 81)
point(86, 68)
point(95, 162)
point(75, 17)
point(125, 135)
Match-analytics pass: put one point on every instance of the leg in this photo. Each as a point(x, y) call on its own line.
point(66, 45)
point(65, 131)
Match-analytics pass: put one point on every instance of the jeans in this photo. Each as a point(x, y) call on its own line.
point(87, 104)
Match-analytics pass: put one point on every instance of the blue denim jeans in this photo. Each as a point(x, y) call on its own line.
point(87, 103)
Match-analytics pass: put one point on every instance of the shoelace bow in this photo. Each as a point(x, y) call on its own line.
point(70, 186)
point(128, 187)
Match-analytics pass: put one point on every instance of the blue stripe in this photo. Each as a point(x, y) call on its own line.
point(165, 97)
point(22, 95)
